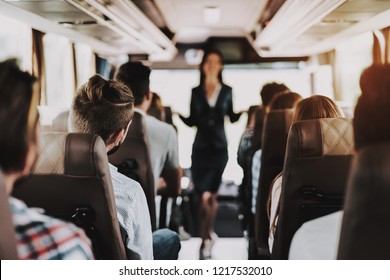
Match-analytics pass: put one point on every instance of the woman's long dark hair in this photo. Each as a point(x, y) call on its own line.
point(205, 56)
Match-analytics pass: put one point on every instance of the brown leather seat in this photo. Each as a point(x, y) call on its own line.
point(7, 230)
point(60, 122)
point(157, 113)
point(251, 113)
point(258, 128)
point(259, 115)
point(168, 115)
point(315, 172)
point(365, 228)
point(276, 126)
point(133, 160)
point(71, 180)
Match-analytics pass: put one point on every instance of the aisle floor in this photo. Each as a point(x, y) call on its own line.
point(224, 249)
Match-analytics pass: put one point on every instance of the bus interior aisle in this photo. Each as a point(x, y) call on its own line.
point(231, 243)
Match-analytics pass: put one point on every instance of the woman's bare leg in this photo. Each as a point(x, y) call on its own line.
point(213, 213)
point(206, 215)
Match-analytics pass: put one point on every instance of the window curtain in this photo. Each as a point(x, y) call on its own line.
point(75, 69)
point(38, 64)
point(386, 35)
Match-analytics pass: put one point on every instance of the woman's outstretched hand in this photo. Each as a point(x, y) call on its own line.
point(174, 113)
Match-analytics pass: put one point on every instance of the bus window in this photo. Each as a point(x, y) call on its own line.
point(15, 41)
point(351, 58)
point(60, 84)
point(85, 63)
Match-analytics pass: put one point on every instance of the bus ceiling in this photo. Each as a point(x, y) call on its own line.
point(172, 32)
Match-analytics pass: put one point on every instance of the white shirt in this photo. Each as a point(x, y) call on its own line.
point(276, 189)
point(317, 239)
point(256, 164)
point(212, 100)
point(133, 215)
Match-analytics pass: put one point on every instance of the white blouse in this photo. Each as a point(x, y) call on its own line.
point(212, 100)
point(276, 190)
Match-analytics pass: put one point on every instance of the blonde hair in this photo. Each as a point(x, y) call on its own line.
point(316, 107)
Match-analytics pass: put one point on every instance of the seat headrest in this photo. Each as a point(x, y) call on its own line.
point(136, 128)
point(276, 118)
point(75, 154)
point(259, 113)
point(321, 137)
point(156, 112)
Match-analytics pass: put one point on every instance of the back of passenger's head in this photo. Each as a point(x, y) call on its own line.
point(372, 113)
point(270, 90)
point(18, 116)
point(135, 75)
point(101, 107)
point(316, 107)
point(285, 101)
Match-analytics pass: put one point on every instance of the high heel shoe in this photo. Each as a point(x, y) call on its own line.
point(205, 249)
point(214, 238)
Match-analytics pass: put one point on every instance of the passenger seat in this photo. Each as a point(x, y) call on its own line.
point(316, 167)
point(71, 181)
point(133, 160)
point(276, 127)
point(365, 228)
point(8, 249)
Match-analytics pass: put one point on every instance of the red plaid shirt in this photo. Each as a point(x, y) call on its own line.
point(42, 237)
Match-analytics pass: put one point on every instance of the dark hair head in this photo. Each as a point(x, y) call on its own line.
point(270, 90)
point(204, 59)
point(316, 107)
point(135, 75)
point(284, 100)
point(102, 107)
point(18, 115)
point(372, 114)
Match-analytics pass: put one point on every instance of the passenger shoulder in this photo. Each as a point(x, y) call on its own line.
point(162, 126)
point(69, 241)
point(24, 215)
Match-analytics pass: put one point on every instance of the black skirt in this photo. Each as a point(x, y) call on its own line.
point(207, 168)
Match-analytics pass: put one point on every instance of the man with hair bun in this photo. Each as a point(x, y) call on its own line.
point(106, 108)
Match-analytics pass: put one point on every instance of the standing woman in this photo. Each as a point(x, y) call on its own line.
point(211, 101)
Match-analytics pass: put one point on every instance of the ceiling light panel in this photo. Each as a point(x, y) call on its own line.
point(124, 18)
point(233, 14)
point(211, 15)
point(291, 20)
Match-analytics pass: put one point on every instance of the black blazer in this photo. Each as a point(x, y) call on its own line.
point(210, 120)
